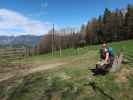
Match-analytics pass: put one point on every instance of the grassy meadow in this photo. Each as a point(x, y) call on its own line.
point(73, 80)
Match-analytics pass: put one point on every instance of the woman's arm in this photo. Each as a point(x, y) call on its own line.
point(107, 58)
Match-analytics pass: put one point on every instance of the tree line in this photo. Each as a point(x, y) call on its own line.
point(111, 26)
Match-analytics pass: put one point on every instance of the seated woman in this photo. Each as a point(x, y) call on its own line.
point(106, 57)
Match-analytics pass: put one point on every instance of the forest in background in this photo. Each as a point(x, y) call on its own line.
point(111, 26)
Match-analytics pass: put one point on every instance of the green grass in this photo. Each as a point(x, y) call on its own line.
point(67, 82)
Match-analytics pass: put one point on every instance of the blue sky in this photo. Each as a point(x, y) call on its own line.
point(37, 16)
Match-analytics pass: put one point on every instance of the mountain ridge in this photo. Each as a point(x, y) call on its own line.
point(22, 40)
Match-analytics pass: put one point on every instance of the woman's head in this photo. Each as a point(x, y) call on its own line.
point(104, 45)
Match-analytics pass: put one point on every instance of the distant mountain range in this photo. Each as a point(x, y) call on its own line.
point(23, 40)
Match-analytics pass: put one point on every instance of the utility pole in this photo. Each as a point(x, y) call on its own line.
point(60, 40)
point(72, 40)
point(53, 41)
point(65, 39)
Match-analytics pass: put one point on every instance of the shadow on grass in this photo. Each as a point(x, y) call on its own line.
point(98, 89)
point(98, 71)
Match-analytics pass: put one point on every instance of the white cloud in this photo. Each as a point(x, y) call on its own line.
point(10, 20)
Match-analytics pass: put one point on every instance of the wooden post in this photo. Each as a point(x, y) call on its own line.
point(60, 51)
point(53, 41)
point(60, 44)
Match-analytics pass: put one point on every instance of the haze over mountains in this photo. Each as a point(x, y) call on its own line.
point(22, 40)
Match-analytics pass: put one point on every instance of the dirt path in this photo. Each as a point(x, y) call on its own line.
point(31, 70)
point(6, 76)
point(44, 67)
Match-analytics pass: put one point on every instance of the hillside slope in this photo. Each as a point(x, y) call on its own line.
point(72, 80)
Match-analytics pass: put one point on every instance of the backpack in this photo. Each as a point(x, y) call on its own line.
point(102, 53)
point(110, 50)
